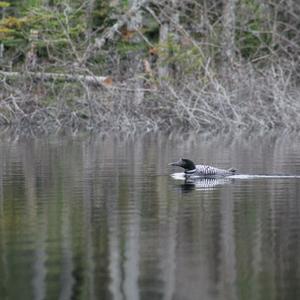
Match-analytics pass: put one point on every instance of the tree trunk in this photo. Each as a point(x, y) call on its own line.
point(89, 18)
point(228, 37)
point(134, 26)
point(163, 70)
point(169, 20)
point(1, 44)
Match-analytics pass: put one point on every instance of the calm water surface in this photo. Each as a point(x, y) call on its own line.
point(101, 218)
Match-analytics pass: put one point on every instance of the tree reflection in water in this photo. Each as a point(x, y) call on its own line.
point(100, 218)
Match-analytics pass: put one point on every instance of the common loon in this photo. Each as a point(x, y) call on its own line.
point(192, 170)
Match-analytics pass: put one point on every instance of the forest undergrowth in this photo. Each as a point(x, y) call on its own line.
point(189, 65)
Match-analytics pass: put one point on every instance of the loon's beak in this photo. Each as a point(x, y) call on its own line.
point(176, 163)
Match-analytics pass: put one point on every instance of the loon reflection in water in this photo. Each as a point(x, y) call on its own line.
point(204, 183)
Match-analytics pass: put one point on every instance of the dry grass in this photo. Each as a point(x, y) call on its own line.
point(250, 100)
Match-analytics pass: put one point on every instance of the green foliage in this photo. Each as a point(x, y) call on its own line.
point(124, 3)
point(124, 47)
point(151, 29)
point(188, 58)
point(44, 27)
point(101, 12)
point(4, 4)
point(105, 13)
point(12, 31)
point(34, 3)
point(251, 34)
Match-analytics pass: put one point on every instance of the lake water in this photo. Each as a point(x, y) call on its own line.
point(101, 218)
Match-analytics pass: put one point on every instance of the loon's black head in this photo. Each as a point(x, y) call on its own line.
point(184, 163)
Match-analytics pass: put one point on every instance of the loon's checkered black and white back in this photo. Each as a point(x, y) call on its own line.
point(205, 170)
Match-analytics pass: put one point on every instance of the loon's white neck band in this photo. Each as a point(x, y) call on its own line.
point(190, 171)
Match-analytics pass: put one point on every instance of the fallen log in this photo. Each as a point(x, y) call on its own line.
point(89, 79)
